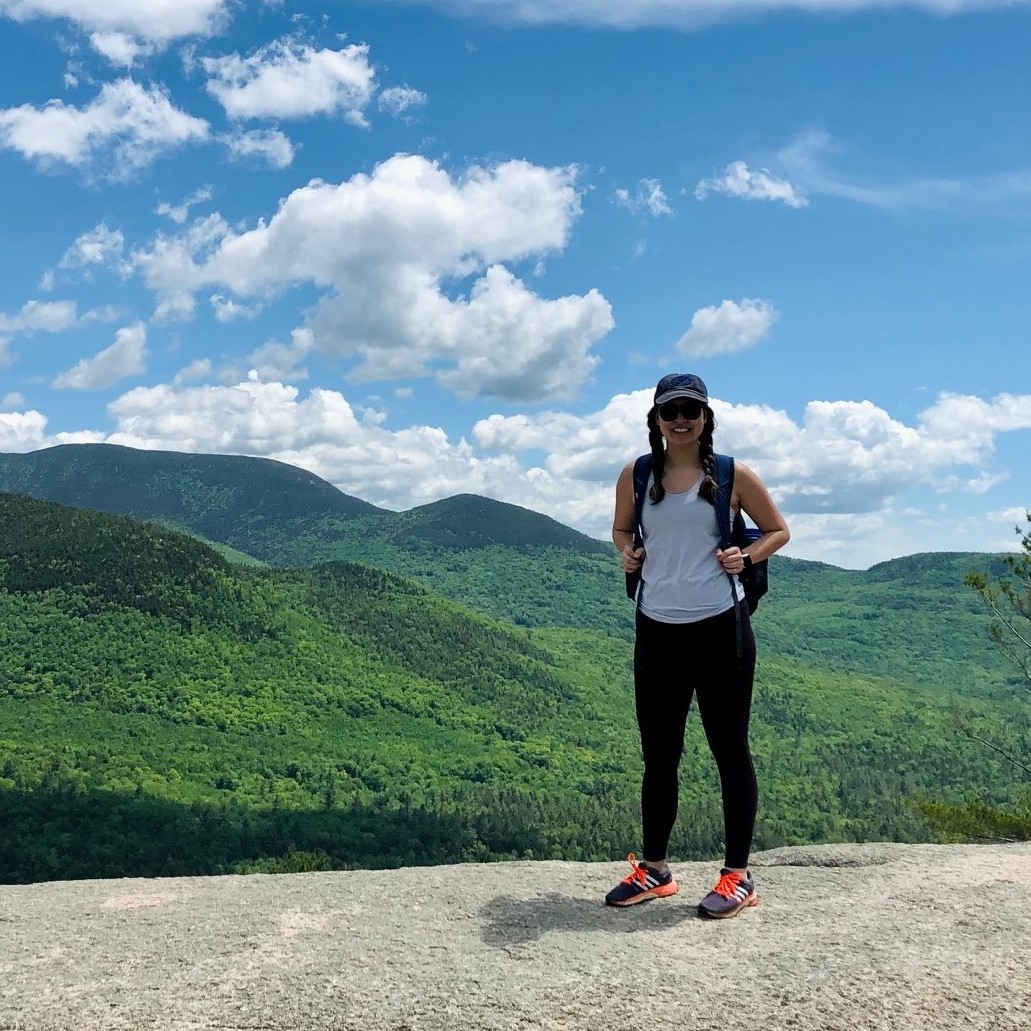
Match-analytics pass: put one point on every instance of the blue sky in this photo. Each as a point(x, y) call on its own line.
point(427, 248)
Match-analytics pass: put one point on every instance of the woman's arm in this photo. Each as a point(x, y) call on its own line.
point(752, 497)
point(624, 519)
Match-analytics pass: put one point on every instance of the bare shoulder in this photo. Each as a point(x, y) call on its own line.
point(746, 474)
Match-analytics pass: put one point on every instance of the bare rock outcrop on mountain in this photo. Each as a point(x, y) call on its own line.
point(848, 937)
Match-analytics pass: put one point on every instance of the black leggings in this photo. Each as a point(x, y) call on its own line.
point(672, 662)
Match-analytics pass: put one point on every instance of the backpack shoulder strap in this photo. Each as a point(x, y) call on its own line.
point(642, 470)
point(724, 491)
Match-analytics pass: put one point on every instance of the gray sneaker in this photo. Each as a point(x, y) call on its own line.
point(733, 892)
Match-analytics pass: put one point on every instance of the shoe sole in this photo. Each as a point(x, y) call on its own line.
point(752, 900)
point(662, 892)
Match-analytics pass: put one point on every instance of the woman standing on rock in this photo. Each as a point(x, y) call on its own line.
point(693, 636)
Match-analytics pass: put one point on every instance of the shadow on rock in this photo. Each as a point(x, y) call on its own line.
point(513, 921)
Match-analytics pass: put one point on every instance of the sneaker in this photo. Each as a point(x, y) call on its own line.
point(732, 893)
point(641, 885)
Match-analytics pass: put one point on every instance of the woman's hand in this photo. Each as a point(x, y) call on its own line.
point(632, 558)
point(732, 560)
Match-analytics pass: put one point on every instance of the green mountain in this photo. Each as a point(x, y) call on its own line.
point(163, 711)
point(249, 504)
point(910, 618)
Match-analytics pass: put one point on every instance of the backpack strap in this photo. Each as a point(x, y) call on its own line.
point(724, 493)
point(642, 470)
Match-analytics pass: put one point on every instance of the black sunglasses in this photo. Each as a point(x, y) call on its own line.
point(671, 409)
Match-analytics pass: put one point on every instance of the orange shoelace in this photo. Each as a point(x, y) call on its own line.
point(727, 884)
point(640, 874)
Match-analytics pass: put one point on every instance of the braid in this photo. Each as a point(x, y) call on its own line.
point(657, 492)
point(709, 486)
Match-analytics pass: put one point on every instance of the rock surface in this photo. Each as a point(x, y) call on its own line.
point(848, 937)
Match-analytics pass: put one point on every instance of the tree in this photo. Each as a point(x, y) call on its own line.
point(1009, 599)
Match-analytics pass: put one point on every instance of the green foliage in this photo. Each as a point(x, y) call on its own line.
point(1009, 600)
point(164, 710)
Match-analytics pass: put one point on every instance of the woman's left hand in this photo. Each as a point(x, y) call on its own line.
point(732, 560)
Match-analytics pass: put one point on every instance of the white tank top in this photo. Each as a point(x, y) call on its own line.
point(681, 579)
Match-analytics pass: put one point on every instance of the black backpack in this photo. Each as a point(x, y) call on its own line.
point(755, 580)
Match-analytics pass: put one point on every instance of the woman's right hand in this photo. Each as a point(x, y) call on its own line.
point(632, 558)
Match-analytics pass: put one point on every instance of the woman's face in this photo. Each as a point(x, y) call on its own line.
point(681, 421)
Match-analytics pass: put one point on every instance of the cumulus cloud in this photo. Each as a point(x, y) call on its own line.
point(393, 252)
point(120, 49)
point(398, 100)
point(685, 14)
point(839, 473)
point(647, 197)
point(125, 128)
point(198, 369)
point(322, 432)
point(40, 316)
point(269, 146)
point(100, 246)
point(125, 357)
point(843, 457)
point(45, 317)
point(228, 310)
point(178, 213)
point(22, 431)
point(291, 79)
point(739, 180)
point(728, 328)
point(159, 21)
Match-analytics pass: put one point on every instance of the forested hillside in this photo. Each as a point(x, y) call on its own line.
point(165, 711)
point(911, 618)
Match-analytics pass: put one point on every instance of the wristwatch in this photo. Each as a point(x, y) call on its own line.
point(747, 559)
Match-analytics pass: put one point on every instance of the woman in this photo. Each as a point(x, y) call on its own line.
point(690, 641)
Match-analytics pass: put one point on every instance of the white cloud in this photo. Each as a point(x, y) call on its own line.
point(271, 146)
point(740, 181)
point(397, 100)
point(199, 369)
point(730, 327)
point(100, 246)
point(46, 317)
point(12, 401)
point(125, 357)
point(157, 20)
point(228, 310)
point(169, 266)
point(178, 213)
point(685, 14)
point(289, 79)
point(839, 474)
point(120, 49)
point(321, 432)
point(125, 128)
point(807, 160)
point(648, 196)
point(22, 431)
point(384, 247)
point(40, 316)
point(844, 461)
point(274, 361)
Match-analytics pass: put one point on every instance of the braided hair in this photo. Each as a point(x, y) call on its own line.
point(705, 452)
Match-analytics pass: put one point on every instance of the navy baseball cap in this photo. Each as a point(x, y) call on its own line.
point(680, 384)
